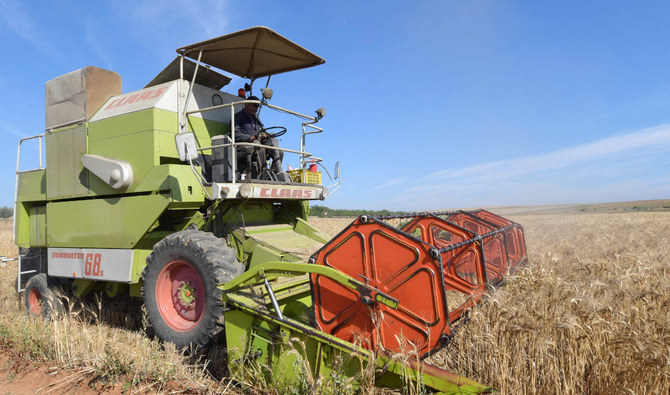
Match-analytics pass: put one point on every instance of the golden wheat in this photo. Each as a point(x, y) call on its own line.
point(587, 314)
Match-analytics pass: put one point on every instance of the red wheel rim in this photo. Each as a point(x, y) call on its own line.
point(180, 295)
point(35, 301)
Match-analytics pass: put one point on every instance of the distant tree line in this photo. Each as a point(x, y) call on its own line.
point(6, 212)
point(322, 211)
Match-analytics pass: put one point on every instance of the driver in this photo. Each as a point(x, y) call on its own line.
point(248, 128)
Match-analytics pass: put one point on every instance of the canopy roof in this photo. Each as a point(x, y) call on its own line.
point(205, 76)
point(253, 53)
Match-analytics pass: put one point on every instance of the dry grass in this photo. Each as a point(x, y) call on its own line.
point(7, 247)
point(88, 340)
point(588, 314)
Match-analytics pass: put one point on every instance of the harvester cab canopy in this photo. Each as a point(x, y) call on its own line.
point(185, 69)
point(252, 53)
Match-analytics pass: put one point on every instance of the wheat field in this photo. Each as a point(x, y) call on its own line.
point(587, 314)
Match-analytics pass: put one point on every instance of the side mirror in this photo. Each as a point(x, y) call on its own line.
point(338, 177)
point(186, 146)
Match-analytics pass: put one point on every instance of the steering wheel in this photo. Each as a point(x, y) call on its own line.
point(279, 133)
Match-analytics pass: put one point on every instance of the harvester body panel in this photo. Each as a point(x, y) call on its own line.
point(91, 263)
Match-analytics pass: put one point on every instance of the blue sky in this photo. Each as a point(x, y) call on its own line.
point(429, 104)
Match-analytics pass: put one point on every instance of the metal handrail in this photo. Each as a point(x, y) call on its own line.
point(18, 278)
point(314, 119)
point(4, 260)
point(260, 146)
point(18, 153)
point(302, 138)
point(16, 182)
point(303, 155)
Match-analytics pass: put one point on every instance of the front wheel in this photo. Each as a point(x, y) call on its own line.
point(180, 290)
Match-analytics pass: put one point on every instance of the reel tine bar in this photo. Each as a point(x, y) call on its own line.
point(437, 265)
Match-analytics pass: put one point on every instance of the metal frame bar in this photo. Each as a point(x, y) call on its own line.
point(258, 145)
point(302, 138)
point(232, 140)
point(4, 260)
point(271, 293)
point(16, 181)
point(69, 123)
point(251, 277)
point(18, 154)
point(314, 119)
point(183, 120)
point(18, 278)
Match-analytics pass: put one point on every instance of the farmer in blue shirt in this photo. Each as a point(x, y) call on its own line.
point(248, 130)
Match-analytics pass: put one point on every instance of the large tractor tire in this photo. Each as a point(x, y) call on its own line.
point(40, 297)
point(182, 301)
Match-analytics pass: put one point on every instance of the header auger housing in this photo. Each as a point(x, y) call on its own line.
point(144, 192)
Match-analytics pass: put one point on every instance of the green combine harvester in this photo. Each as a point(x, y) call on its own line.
point(145, 193)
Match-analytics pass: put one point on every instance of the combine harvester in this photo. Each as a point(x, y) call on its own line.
point(144, 193)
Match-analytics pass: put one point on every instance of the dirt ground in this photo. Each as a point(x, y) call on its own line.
point(22, 376)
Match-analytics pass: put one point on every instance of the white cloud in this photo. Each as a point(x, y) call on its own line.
point(390, 183)
point(656, 139)
point(92, 36)
point(210, 16)
point(24, 26)
point(6, 127)
point(186, 19)
point(613, 168)
point(160, 27)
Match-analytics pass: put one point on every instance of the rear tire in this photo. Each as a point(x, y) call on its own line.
point(40, 298)
point(180, 291)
